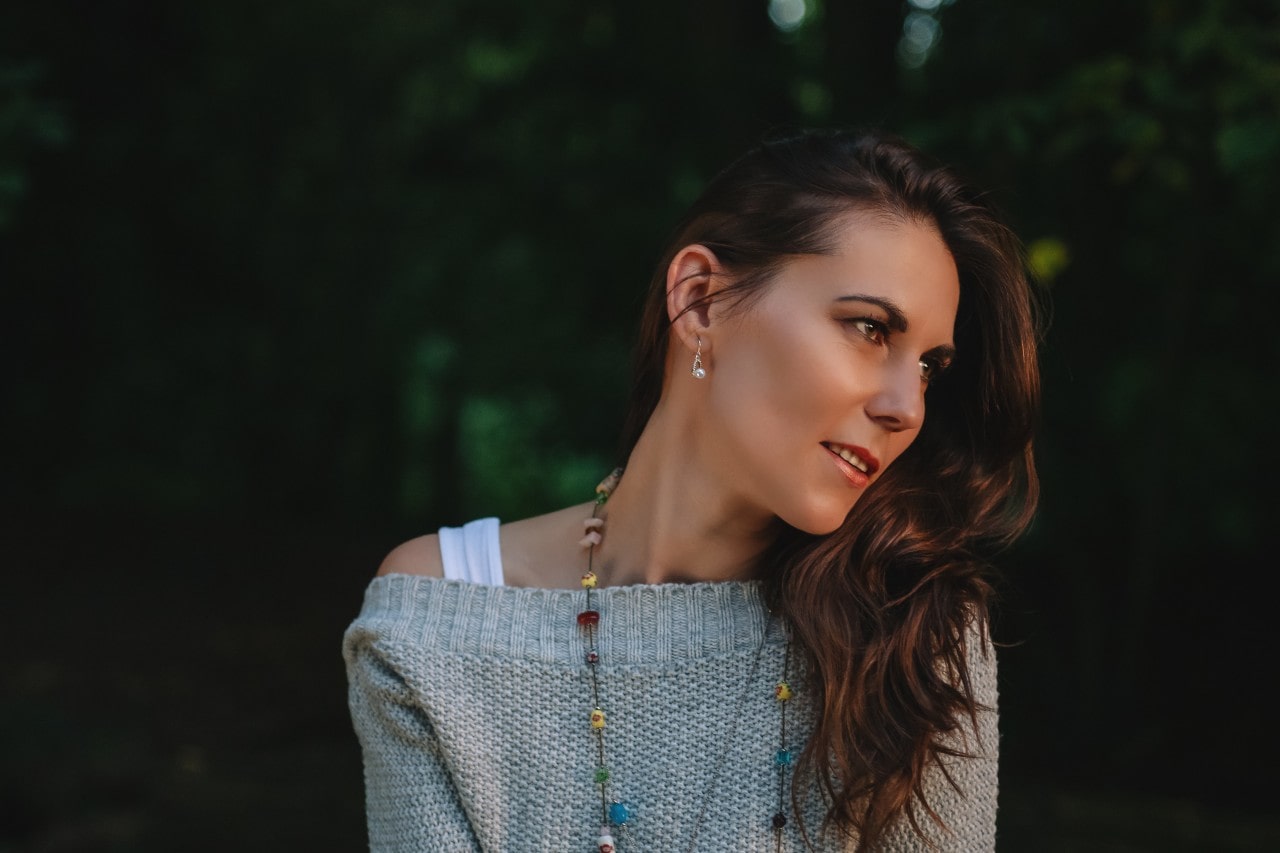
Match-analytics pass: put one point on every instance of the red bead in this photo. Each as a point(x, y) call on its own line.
point(592, 657)
point(588, 617)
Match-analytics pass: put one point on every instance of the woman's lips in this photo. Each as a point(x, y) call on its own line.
point(852, 470)
point(858, 457)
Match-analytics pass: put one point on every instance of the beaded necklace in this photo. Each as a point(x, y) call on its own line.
point(614, 812)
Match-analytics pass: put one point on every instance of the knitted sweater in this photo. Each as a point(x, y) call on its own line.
point(471, 704)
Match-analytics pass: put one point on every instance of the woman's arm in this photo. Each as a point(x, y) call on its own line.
point(410, 797)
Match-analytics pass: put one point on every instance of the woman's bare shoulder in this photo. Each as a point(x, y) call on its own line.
point(539, 551)
point(420, 556)
point(543, 551)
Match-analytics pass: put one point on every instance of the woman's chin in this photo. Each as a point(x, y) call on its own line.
point(822, 520)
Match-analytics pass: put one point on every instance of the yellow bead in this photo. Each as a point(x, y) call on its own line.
point(783, 691)
point(597, 719)
point(608, 484)
point(589, 580)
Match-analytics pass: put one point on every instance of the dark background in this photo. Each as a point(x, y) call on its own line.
point(286, 283)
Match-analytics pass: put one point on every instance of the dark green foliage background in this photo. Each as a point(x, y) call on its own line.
point(286, 283)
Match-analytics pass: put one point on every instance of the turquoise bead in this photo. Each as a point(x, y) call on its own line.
point(783, 758)
point(619, 813)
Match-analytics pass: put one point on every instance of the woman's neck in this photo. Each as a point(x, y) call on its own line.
point(673, 520)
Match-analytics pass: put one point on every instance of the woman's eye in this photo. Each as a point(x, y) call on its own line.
point(931, 368)
point(872, 330)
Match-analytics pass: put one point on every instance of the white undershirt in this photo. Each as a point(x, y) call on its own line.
point(471, 552)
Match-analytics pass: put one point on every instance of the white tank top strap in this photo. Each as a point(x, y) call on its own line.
point(472, 553)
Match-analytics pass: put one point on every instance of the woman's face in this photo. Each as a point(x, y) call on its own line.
point(819, 386)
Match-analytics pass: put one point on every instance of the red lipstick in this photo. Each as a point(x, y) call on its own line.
point(856, 477)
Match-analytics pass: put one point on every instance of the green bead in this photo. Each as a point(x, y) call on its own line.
point(601, 775)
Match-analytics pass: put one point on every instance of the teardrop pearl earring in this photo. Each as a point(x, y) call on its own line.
point(697, 371)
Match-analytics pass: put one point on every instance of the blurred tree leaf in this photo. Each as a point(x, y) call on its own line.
point(28, 123)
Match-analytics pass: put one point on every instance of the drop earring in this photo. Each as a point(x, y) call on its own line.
point(697, 371)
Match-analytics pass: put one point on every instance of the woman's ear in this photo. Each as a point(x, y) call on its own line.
point(694, 276)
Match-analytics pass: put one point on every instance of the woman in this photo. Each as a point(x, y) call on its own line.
point(770, 632)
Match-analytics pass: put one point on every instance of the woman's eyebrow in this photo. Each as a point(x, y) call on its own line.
point(897, 319)
point(944, 353)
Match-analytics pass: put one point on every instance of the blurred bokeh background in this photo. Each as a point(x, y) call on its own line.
point(286, 283)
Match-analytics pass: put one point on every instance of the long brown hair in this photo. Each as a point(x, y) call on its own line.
point(882, 606)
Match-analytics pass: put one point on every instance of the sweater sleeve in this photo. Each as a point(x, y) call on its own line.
point(411, 800)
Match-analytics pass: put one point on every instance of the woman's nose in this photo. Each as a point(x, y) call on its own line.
point(899, 402)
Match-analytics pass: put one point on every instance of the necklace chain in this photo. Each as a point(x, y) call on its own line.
point(616, 813)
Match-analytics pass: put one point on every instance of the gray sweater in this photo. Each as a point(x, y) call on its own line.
point(472, 702)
